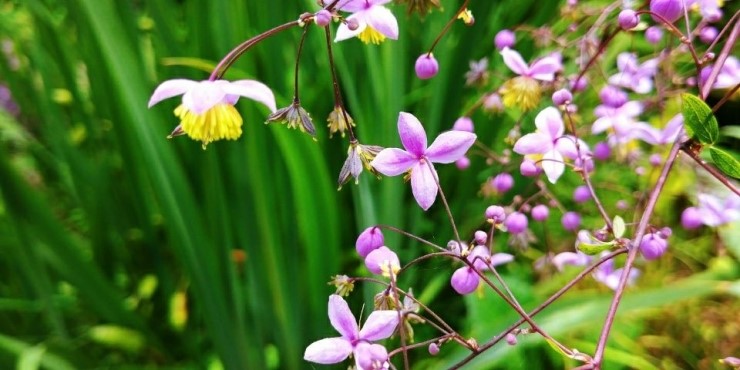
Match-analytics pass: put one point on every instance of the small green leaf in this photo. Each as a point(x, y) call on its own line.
point(699, 119)
point(726, 162)
point(618, 227)
point(594, 247)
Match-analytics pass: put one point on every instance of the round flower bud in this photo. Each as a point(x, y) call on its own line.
point(562, 96)
point(655, 160)
point(528, 168)
point(504, 39)
point(463, 124)
point(691, 218)
point(502, 182)
point(480, 237)
point(622, 204)
point(708, 34)
point(581, 194)
point(654, 34)
point(382, 259)
point(628, 19)
point(511, 339)
point(579, 84)
point(665, 232)
point(352, 24)
point(612, 96)
point(670, 10)
point(571, 221)
point(653, 246)
point(516, 223)
point(464, 280)
point(369, 240)
point(540, 212)
point(462, 163)
point(426, 66)
point(323, 18)
point(493, 103)
point(602, 151)
point(433, 349)
point(495, 213)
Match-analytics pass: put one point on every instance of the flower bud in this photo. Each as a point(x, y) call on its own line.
point(540, 212)
point(691, 218)
point(480, 237)
point(612, 96)
point(602, 151)
point(426, 66)
point(382, 261)
point(708, 34)
point(655, 160)
point(579, 84)
point(562, 96)
point(462, 163)
point(463, 124)
point(628, 19)
point(652, 246)
point(369, 240)
point(654, 34)
point(516, 223)
point(433, 349)
point(352, 24)
point(464, 280)
point(665, 232)
point(622, 204)
point(504, 39)
point(493, 103)
point(502, 182)
point(571, 221)
point(495, 213)
point(323, 18)
point(670, 10)
point(511, 339)
point(528, 168)
point(581, 194)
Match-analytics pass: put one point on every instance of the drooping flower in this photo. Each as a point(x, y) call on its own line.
point(355, 341)
point(369, 240)
point(524, 91)
point(417, 158)
point(294, 116)
point(339, 121)
point(383, 261)
point(375, 22)
point(207, 112)
point(634, 75)
point(426, 66)
point(358, 156)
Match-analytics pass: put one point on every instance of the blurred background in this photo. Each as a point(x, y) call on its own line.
point(120, 249)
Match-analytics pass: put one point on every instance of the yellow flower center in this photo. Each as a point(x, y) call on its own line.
point(523, 92)
point(371, 35)
point(222, 121)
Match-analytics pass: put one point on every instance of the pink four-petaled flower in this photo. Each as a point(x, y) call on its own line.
point(374, 21)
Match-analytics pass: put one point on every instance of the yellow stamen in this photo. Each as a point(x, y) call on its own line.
point(371, 35)
point(523, 92)
point(467, 17)
point(222, 121)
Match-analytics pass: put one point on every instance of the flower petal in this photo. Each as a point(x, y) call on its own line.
point(393, 161)
point(343, 32)
point(602, 124)
point(424, 184)
point(501, 258)
point(552, 164)
point(171, 88)
point(544, 69)
point(413, 136)
point(382, 20)
point(204, 96)
point(549, 122)
point(254, 90)
point(450, 146)
point(514, 61)
point(341, 317)
point(535, 143)
point(328, 351)
point(370, 356)
point(379, 325)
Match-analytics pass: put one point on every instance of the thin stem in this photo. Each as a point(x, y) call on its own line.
point(335, 84)
point(713, 171)
point(412, 236)
point(720, 61)
point(725, 98)
point(444, 201)
point(297, 62)
point(448, 25)
point(401, 327)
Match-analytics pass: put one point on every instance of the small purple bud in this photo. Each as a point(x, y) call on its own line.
point(602, 151)
point(493, 103)
point(369, 240)
point(655, 160)
point(433, 349)
point(528, 168)
point(562, 96)
point(352, 24)
point(426, 66)
point(463, 163)
point(323, 18)
point(612, 96)
point(670, 10)
point(571, 221)
point(708, 34)
point(495, 213)
point(691, 218)
point(654, 34)
point(640, 170)
point(511, 339)
point(463, 124)
point(540, 212)
point(504, 39)
point(665, 232)
point(622, 204)
point(503, 182)
point(652, 246)
point(382, 258)
point(480, 237)
point(628, 19)
point(464, 280)
point(579, 84)
point(581, 194)
point(516, 223)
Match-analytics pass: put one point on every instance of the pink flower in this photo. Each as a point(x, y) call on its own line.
point(635, 76)
point(355, 341)
point(654, 136)
point(541, 69)
point(417, 159)
point(375, 22)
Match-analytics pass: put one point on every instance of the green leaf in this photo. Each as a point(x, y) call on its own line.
point(618, 227)
point(726, 162)
point(700, 121)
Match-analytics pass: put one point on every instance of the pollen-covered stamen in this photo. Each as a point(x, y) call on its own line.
point(370, 35)
point(222, 121)
point(523, 92)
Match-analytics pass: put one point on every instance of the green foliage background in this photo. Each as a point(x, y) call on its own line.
point(105, 224)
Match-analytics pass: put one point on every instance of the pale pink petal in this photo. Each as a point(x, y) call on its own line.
point(393, 161)
point(413, 136)
point(328, 351)
point(514, 61)
point(642, 85)
point(254, 90)
point(424, 185)
point(370, 356)
point(549, 122)
point(627, 62)
point(383, 21)
point(566, 146)
point(379, 325)
point(171, 88)
point(535, 143)
point(501, 258)
point(646, 133)
point(631, 109)
point(341, 317)
point(570, 258)
point(352, 6)
point(544, 69)
point(343, 32)
point(478, 257)
point(204, 96)
point(450, 146)
point(602, 124)
point(620, 79)
point(552, 164)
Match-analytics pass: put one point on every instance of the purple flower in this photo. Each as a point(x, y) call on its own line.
point(448, 147)
point(540, 212)
point(621, 120)
point(495, 213)
point(426, 66)
point(653, 136)
point(602, 151)
point(715, 211)
point(383, 261)
point(571, 221)
point(465, 280)
point(504, 39)
point(358, 342)
point(653, 34)
point(578, 258)
point(691, 218)
point(369, 240)
point(516, 223)
point(709, 9)
point(670, 10)
point(653, 246)
point(729, 74)
point(323, 17)
point(562, 96)
point(374, 21)
point(502, 182)
point(581, 194)
point(628, 19)
point(541, 69)
point(529, 168)
point(708, 34)
point(638, 77)
point(549, 141)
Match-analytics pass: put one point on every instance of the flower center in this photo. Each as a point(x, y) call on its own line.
point(523, 92)
point(371, 35)
point(222, 121)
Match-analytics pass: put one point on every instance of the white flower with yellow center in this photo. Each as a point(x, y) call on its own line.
point(207, 112)
point(374, 21)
